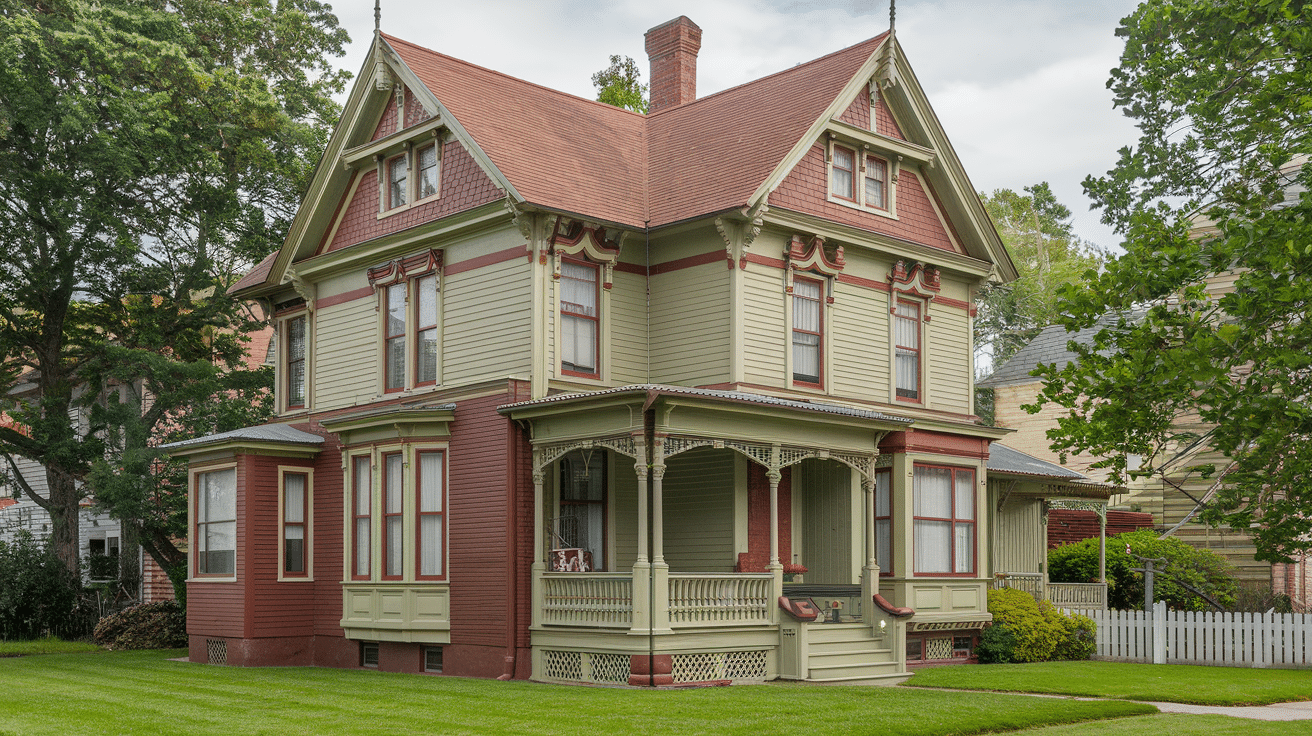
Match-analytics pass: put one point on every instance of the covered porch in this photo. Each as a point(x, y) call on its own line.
point(670, 523)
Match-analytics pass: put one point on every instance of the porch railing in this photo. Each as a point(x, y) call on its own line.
point(587, 599)
point(1030, 582)
point(1078, 595)
point(716, 599)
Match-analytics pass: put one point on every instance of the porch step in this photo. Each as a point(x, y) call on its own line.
point(887, 678)
point(827, 672)
point(851, 656)
point(846, 645)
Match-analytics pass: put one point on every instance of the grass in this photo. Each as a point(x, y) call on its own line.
point(143, 692)
point(1171, 683)
point(48, 645)
point(1181, 725)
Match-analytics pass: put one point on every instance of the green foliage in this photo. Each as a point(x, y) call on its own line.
point(38, 594)
point(1201, 569)
point(161, 625)
point(1218, 181)
point(1080, 637)
point(620, 84)
point(1032, 631)
point(997, 645)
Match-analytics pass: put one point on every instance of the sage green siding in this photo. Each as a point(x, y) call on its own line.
point(346, 354)
point(628, 328)
point(487, 321)
point(949, 359)
point(698, 491)
point(690, 326)
point(824, 488)
point(1019, 536)
point(861, 343)
point(765, 336)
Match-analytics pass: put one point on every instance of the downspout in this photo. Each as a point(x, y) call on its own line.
point(650, 437)
point(512, 549)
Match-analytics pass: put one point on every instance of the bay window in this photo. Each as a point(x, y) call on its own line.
point(944, 520)
point(392, 509)
point(215, 541)
point(431, 513)
point(580, 319)
point(361, 513)
point(808, 343)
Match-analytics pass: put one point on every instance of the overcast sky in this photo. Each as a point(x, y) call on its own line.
point(1019, 86)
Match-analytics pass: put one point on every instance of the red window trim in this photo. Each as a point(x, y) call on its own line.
point(820, 345)
point(356, 516)
point(920, 363)
point(851, 194)
point(287, 350)
point(437, 150)
point(597, 319)
point(952, 536)
point(304, 524)
point(892, 549)
point(388, 337)
point(419, 516)
point(605, 507)
point(420, 329)
point(871, 157)
point(387, 185)
point(386, 515)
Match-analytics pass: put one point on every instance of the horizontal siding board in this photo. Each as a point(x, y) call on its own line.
point(690, 326)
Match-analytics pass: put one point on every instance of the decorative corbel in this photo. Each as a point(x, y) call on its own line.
point(303, 288)
point(522, 220)
point(722, 228)
point(755, 217)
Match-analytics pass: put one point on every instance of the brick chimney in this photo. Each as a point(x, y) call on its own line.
point(672, 49)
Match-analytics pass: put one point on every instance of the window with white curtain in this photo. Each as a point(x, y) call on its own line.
point(295, 543)
point(215, 542)
point(944, 525)
point(884, 521)
point(361, 511)
point(906, 348)
point(808, 323)
point(395, 337)
point(393, 527)
point(580, 319)
point(431, 512)
point(426, 331)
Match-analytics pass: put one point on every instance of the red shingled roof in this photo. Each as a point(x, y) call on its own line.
point(256, 275)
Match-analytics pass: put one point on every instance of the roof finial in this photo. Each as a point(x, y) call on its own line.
point(892, 16)
point(887, 71)
point(382, 75)
point(378, 16)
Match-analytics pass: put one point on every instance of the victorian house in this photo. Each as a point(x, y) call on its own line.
point(572, 393)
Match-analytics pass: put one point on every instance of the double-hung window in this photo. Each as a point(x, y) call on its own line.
point(582, 520)
point(295, 498)
point(426, 331)
point(398, 181)
point(411, 176)
point(431, 514)
point(876, 189)
point(395, 337)
point(861, 179)
point(393, 527)
point(426, 161)
point(808, 342)
point(296, 373)
point(215, 542)
point(884, 521)
point(361, 516)
point(906, 349)
point(842, 173)
point(944, 520)
point(580, 319)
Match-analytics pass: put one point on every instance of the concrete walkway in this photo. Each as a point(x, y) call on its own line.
point(1274, 712)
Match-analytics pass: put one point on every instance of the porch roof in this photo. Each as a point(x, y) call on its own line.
point(1004, 460)
point(734, 396)
point(264, 434)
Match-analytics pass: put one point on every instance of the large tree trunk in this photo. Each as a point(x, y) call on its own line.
point(65, 498)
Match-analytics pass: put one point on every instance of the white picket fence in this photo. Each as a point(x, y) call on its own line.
point(1192, 637)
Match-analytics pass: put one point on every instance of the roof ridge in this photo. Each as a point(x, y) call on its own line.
point(504, 75)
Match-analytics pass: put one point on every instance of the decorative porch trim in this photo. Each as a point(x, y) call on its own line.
point(772, 457)
point(546, 454)
point(1073, 504)
point(945, 626)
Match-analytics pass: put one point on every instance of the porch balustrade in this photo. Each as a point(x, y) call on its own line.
point(1031, 583)
point(592, 600)
point(1078, 595)
point(714, 599)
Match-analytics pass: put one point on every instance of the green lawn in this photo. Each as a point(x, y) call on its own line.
point(1170, 683)
point(142, 692)
point(1180, 725)
point(49, 645)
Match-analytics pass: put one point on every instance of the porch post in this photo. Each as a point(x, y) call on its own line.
point(870, 574)
point(660, 572)
point(775, 475)
point(641, 567)
point(539, 524)
point(1102, 545)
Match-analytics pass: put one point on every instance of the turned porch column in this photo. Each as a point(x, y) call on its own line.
point(776, 568)
point(641, 566)
point(870, 572)
point(660, 572)
point(539, 525)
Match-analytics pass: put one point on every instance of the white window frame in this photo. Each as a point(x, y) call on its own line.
point(193, 521)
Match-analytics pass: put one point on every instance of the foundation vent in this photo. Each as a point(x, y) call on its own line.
point(707, 666)
point(598, 667)
point(216, 651)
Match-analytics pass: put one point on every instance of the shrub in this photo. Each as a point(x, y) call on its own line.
point(1080, 640)
point(38, 594)
point(1026, 630)
point(161, 625)
point(997, 645)
point(1207, 571)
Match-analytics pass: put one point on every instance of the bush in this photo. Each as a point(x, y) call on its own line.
point(161, 625)
point(1026, 630)
point(38, 595)
point(1207, 571)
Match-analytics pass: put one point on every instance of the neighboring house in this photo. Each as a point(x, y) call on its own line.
point(573, 393)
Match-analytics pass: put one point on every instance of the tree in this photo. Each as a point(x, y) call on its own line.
point(1041, 240)
point(1200, 569)
point(619, 85)
point(1217, 182)
point(149, 151)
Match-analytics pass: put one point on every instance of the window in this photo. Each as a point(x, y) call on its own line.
point(433, 659)
point(842, 174)
point(392, 509)
point(579, 319)
point(368, 654)
point(426, 161)
point(807, 343)
point(395, 337)
point(295, 494)
point(426, 332)
point(906, 348)
point(876, 183)
point(398, 181)
point(581, 523)
point(361, 473)
point(296, 362)
point(429, 489)
point(884, 521)
point(102, 558)
point(944, 520)
point(216, 522)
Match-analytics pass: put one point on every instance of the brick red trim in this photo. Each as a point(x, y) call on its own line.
point(623, 267)
point(679, 264)
point(939, 443)
point(764, 261)
point(491, 259)
point(344, 297)
point(844, 278)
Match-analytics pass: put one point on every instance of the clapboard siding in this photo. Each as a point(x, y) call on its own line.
point(698, 490)
point(289, 607)
point(219, 608)
point(949, 360)
point(624, 512)
point(628, 328)
point(487, 320)
point(346, 354)
point(859, 329)
point(690, 326)
point(1018, 541)
point(824, 490)
point(764, 330)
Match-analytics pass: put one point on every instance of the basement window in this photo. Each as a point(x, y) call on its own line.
point(368, 654)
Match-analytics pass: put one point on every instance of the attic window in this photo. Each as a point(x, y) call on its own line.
point(861, 179)
point(411, 176)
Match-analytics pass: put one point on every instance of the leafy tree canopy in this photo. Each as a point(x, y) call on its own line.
point(1200, 569)
point(1217, 183)
point(620, 84)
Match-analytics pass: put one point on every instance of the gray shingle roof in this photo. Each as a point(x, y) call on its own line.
point(1005, 460)
point(1049, 346)
point(280, 433)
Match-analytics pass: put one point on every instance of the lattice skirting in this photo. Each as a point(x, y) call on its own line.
point(938, 648)
point(706, 666)
point(216, 651)
point(608, 669)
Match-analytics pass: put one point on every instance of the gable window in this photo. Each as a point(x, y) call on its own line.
point(944, 520)
point(395, 337)
point(392, 525)
point(427, 162)
point(216, 522)
point(884, 521)
point(398, 181)
point(361, 510)
point(842, 175)
point(580, 321)
point(296, 373)
point(426, 332)
point(876, 176)
point(431, 514)
point(295, 495)
point(906, 349)
point(581, 523)
point(807, 332)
